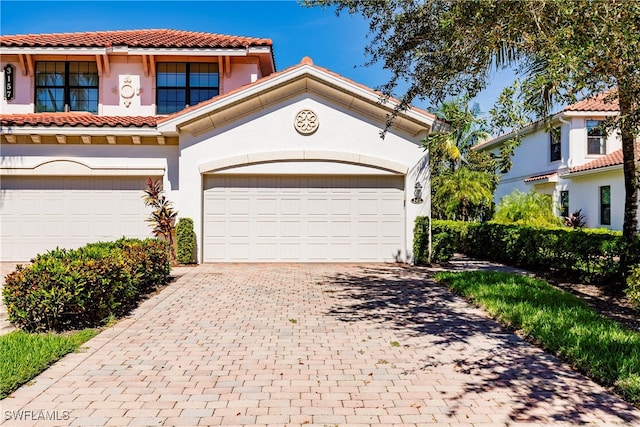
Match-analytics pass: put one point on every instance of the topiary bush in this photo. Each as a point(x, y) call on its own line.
point(186, 240)
point(70, 289)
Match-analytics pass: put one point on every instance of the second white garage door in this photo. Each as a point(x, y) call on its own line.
point(41, 213)
point(303, 218)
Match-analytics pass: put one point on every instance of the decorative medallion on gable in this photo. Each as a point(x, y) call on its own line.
point(128, 89)
point(306, 122)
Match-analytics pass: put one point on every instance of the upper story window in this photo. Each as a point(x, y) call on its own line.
point(66, 86)
point(555, 144)
point(596, 138)
point(182, 84)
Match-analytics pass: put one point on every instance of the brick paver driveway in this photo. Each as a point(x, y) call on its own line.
point(311, 344)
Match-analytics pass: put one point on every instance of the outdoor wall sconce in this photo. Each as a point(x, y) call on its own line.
point(417, 194)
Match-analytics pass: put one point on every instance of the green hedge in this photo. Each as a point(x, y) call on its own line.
point(70, 289)
point(591, 256)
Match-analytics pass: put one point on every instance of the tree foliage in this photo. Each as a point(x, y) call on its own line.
point(459, 191)
point(462, 180)
point(532, 208)
point(562, 50)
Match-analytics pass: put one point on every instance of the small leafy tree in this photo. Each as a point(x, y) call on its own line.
point(163, 217)
point(530, 208)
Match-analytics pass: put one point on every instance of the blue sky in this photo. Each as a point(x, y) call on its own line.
point(333, 42)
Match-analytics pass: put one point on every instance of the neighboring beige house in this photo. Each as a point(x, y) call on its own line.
point(271, 166)
point(573, 161)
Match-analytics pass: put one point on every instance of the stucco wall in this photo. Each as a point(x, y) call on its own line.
point(584, 193)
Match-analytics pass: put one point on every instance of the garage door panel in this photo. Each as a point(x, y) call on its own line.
point(266, 206)
point(368, 207)
point(267, 228)
point(215, 206)
point(340, 206)
point(238, 229)
point(39, 214)
point(238, 206)
point(317, 228)
point(299, 218)
point(289, 228)
point(290, 206)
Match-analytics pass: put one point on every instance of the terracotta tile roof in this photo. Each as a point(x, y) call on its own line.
point(133, 38)
point(595, 103)
point(541, 177)
point(611, 159)
point(306, 61)
point(76, 119)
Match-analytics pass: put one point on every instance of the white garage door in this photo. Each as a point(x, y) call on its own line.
point(38, 214)
point(303, 218)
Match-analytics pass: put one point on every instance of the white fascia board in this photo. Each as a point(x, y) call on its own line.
point(570, 175)
point(53, 50)
point(186, 52)
point(590, 113)
point(79, 130)
point(259, 49)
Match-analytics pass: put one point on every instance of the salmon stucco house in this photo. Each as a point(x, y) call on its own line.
point(271, 166)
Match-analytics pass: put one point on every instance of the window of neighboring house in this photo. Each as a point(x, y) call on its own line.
point(605, 205)
point(596, 138)
point(564, 203)
point(66, 86)
point(554, 144)
point(182, 84)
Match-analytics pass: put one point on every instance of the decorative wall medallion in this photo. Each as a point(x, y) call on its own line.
point(306, 122)
point(127, 91)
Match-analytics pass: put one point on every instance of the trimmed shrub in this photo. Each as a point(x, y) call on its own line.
point(591, 256)
point(186, 240)
point(69, 289)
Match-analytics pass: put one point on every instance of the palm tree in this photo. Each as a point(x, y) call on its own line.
point(464, 188)
point(466, 129)
point(450, 154)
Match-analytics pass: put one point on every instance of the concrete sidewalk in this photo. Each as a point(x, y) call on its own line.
point(311, 344)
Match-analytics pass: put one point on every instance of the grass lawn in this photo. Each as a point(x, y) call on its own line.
point(559, 322)
point(24, 355)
